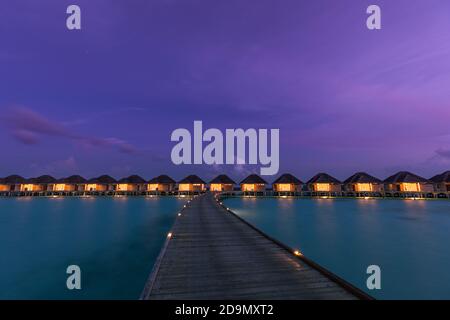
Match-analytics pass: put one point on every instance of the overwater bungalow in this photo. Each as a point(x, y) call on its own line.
point(222, 183)
point(323, 182)
point(12, 183)
point(70, 184)
point(191, 183)
point(102, 183)
point(441, 182)
point(162, 183)
point(42, 183)
point(287, 183)
point(363, 182)
point(132, 183)
point(253, 183)
point(404, 181)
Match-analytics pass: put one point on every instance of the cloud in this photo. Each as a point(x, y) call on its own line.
point(26, 137)
point(28, 127)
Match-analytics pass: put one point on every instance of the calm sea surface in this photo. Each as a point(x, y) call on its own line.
point(409, 240)
point(114, 241)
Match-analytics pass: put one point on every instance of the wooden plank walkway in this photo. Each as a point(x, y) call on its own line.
point(212, 254)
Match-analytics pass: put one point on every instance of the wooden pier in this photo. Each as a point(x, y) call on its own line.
point(212, 254)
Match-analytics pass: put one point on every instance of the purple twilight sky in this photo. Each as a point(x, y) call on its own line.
point(106, 99)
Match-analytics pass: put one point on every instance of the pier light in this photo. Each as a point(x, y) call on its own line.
point(298, 253)
point(169, 235)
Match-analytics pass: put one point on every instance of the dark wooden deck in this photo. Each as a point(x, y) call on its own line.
point(212, 254)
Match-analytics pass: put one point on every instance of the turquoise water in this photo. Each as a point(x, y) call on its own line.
point(114, 241)
point(408, 240)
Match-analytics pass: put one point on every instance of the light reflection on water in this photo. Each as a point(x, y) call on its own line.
point(408, 239)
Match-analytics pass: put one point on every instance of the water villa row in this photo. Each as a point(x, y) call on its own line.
point(401, 184)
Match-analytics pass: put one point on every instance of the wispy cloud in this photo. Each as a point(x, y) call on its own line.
point(29, 127)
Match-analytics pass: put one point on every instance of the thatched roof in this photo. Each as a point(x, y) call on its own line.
point(323, 178)
point(105, 179)
point(405, 176)
point(222, 179)
point(133, 179)
point(192, 179)
point(441, 178)
point(14, 179)
point(288, 178)
point(253, 178)
point(45, 179)
point(162, 179)
point(362, 177)
point(75, 179)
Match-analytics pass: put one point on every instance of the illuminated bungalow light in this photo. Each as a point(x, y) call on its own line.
point(221, 183)
point(323, 182)
point(102, 183)
point(287, 183)
point(162, 183)
point(191, 183)
point(42, 183)
point(169, 235)
point(298, 253)
point(12, 183)
point(363, 182)
point(131, 183)
point(72, 183)
point(253, 183)
point(405, 181)
point(179, 214)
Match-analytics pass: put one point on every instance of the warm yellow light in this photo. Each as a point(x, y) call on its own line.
point(60, 187)
point(216, 187)
point(153, 187)
point(287, 187)
point(414, 187)
point(298, 253)
point(322, 187)
point(363, 187)
point(184, 187)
